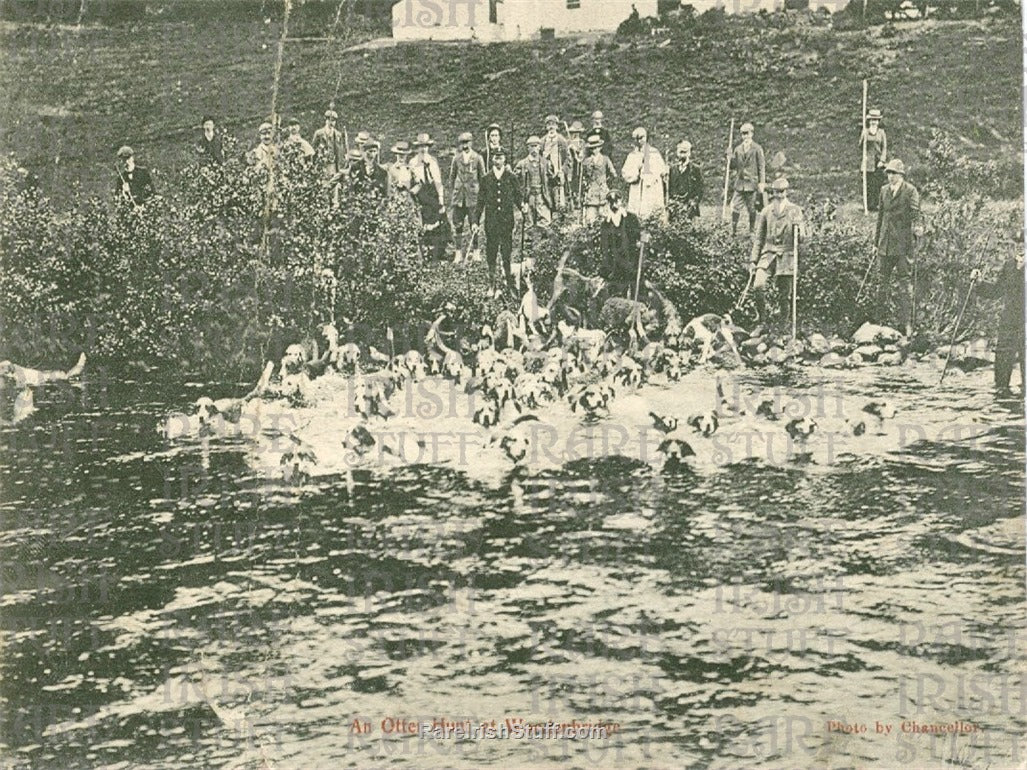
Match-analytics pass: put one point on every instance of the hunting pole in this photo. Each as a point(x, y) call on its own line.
point(727, 168)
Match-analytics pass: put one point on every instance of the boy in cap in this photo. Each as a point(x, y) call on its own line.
point(465, 176)
point(686, 184)
point(872, 163)
point(499, 198)
point(618, 238)
point(210, 146)
point(329, 146)
point(598, 173)
point(531, 173)
point(772, 248)
point(645, 172)
point(134, 184)
point(898, 227)
point(750, 177)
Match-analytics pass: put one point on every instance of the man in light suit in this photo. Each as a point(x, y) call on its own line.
point(465, 176)
point(645, 174)
point(898, 226)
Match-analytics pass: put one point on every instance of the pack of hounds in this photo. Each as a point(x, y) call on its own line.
point(582, 348)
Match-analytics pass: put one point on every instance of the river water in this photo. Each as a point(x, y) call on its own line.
point(167, 606)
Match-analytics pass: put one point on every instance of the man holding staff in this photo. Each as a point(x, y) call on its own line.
point(750, 177)
point(645, 173)
point(773, 249)
point(874, 151)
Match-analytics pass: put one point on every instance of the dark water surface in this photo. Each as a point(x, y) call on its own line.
point(170, 609)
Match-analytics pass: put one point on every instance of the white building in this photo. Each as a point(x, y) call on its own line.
point(489, 20)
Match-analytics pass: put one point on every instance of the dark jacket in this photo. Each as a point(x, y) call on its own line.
point(686, 187)
point(896, 215)
point(370, 183)
point(140, 185)
point(1008, 286)
point(211, 153)
point(498, 199)
point(619, 245)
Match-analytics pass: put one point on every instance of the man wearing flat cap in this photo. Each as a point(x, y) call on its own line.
point(898, 227)
point(598, 174)
point(370, 179)
point(134, 184)
point(294, 144)
point(685, 187)
point(777, 227)
point(329, 146)
point(499, 198)
point(265, 153)
point(750, 176)
point(556, 163)
point(873, 144)
point(531, 174)
point(644, 172)
point(466, 173)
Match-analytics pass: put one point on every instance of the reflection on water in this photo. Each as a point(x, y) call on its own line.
point(172, 609)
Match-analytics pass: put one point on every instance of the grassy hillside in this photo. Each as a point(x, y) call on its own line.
point(72, 96)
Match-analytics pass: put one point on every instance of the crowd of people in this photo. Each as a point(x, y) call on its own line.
point(568, 177)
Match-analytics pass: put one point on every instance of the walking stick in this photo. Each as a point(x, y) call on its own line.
point(962, 310)
point(641, 256)
point(581, 186)
point(745, 292)
point(727, 169)
point(795, 278)
point(863, 167)
point(345, 138)
point(866, 275)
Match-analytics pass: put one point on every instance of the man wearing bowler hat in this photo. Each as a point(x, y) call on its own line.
point(685, 186)
point(773, 247)
point(499, 197)
point(465, 176)
point(329, 146)
point(898, 227)
point(134, 184)
point(599, 173)
point(872, 165)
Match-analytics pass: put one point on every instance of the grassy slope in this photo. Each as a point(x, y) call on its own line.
point(72, 97)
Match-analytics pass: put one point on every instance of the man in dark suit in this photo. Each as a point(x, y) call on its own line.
point(499, 197)
point(618, 239)
point(210, 147)
point(602, 132)
point(686, 185)
point(898, 225)
point(370, 179)
point(134, 184)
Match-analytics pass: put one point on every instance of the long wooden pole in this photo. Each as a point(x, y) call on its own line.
point(795, 279)
point(727, 168)
point(863, 132)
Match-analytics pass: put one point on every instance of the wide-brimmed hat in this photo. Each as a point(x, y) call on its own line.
point(125, 152)
point(533, 140)
point(354, 154)
point(423, 140)
point(779, 185)
point(874, 115)
point(896, 166)
point(576, 127)
point(401, 148)
point(363, 136)
point(466, 136)
point(595, 141)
